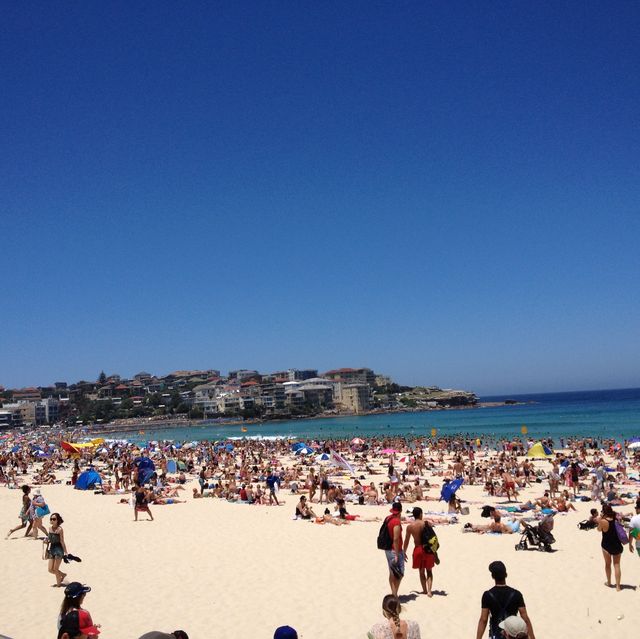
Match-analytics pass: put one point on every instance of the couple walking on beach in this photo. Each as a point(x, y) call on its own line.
point(424, 555)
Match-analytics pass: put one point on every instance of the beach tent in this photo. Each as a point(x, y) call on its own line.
point(88, 480)
point(172, 467)
point(538, 450)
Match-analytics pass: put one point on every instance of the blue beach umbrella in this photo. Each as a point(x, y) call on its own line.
point(449, 490)
point(297, 446)
point(229, 448)
point(323, 457)
point(305, 450)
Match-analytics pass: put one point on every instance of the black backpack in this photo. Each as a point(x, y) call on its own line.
point(429, 539)
point(385, 541)
point(502, 614)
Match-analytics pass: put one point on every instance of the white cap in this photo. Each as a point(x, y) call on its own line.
point(515, 627)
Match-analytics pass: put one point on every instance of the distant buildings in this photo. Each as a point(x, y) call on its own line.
point(208, 394)
point(352, 375)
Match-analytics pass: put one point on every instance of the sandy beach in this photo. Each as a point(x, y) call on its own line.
point(212, 567)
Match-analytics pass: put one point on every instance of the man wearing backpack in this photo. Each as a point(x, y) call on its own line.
point(390, 540)
point(423, 557)
point(501, 602)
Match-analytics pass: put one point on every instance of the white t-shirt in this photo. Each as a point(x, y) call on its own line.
point(635, 522)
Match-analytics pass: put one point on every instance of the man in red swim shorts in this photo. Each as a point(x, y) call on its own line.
point(423, 561)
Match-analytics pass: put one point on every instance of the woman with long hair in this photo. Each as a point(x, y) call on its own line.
point(611, 545)
point(393, 627)
point(74, 595)
point(55, 548)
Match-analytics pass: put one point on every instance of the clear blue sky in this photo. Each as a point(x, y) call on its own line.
point(448, 193)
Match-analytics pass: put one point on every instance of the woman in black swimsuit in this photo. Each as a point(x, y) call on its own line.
point(611, 545)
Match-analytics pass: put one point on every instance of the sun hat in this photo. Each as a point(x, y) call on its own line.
point(515, 627)
point(79, 621)
point(75, 589)
point(285, 632)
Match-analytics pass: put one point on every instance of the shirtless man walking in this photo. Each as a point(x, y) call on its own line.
point(422, 561)
point(509, 485)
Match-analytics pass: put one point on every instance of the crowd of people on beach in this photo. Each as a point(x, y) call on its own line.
point(340, 475)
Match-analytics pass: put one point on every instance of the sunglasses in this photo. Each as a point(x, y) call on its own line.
point(53, 519)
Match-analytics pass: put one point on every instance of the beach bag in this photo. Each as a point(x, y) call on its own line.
point(385, 541)
point(622, 533)
point(429, 540)
point(41, 511)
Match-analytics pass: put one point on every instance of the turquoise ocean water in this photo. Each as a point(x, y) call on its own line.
point(606, 413)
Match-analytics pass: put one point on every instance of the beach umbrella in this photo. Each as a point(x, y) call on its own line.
point(297, 446)
point(305, 450)
point(388, 451)
point(449, 489)
point(15, 449)
point(322, 457)
point(404, 460)
point(634, 445)
point(356, 441)
point(229, 448)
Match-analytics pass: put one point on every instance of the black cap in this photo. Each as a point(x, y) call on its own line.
point(498, 570)
point(75, 589)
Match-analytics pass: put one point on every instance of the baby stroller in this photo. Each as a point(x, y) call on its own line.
point(539, 535)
